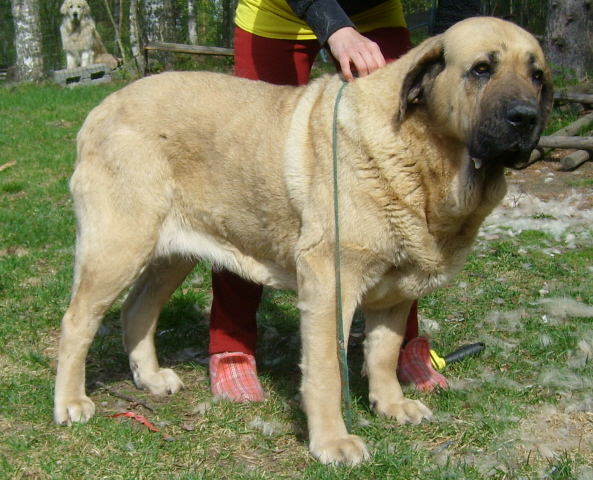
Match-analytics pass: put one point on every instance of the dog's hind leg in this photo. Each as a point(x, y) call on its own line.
point(103, 271)
point(116, 238)
point(140, 314)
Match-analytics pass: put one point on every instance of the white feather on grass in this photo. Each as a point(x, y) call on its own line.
point(563, 378)
point(269, 428)
point(563, 308)
point(505, 321)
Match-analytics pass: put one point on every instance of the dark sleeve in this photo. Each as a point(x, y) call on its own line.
point(323, 16)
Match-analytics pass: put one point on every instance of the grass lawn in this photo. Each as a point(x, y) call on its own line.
point(523, 409)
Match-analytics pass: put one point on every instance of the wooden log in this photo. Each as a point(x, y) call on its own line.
point(575, 127)
point(570, 130)
point(561, 141)
point(574, 97)
point(575, 159)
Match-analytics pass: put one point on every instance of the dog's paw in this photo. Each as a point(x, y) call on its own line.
point(348, 450)
point(74, 410)
point(406, 411)
point(163, 382)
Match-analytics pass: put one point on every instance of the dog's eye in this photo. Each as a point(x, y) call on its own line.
point(537, 76)
point(481, 69)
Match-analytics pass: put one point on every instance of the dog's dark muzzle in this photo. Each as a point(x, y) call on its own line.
point(509, 134)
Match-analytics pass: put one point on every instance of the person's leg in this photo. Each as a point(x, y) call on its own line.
point(233, 325)
point(282, 62)
point(415, 365)
point(395, 42)
point(233, 338)
point(412, 329)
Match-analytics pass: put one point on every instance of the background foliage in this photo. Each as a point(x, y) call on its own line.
point(530, 14)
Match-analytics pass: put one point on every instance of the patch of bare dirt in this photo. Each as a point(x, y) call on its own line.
point(547, 181)
point(552, 432)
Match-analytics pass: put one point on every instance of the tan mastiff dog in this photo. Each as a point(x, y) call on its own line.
point(183, 166)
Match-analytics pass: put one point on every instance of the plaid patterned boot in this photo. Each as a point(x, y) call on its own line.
point(233, 376)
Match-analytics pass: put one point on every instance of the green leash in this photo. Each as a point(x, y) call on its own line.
point(341, 340)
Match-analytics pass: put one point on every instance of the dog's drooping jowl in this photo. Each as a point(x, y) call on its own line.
point(183, 166)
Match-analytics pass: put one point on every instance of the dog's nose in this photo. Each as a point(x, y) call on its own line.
point(523, 116)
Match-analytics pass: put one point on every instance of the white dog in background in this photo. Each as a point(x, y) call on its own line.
point(80, 39)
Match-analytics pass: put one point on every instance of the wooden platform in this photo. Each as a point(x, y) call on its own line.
point(97, 73)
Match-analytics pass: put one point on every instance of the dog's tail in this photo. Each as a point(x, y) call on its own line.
point(110, 60)
point(99, 47)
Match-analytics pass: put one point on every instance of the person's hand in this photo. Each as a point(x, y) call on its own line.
point(350, 48)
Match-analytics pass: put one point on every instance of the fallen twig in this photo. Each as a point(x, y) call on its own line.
point(126, 397)
point(7, 164)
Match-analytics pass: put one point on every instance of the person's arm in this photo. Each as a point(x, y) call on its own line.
point(323, 16)
point(332, 26)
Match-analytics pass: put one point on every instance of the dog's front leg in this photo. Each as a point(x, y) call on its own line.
point(71, 61)
point(321, 388)
point(87, 58)
point(384, 336)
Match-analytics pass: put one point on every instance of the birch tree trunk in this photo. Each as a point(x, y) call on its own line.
point(569, 37)
point(134, 33)
point(157, 23)
point(192, 27)
point(29, 59)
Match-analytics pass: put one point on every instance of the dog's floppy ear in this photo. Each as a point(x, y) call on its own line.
point(547, 96)
point(426, 65)
point(64, 9)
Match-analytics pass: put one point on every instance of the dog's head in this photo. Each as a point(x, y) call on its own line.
point(486, 82)
point(75, 10)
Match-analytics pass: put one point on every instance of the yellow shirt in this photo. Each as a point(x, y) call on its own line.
point(275, 19)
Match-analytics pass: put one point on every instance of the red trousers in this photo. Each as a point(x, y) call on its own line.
point(233, 326)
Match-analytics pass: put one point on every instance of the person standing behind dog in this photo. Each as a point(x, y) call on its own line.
point(277, 41)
